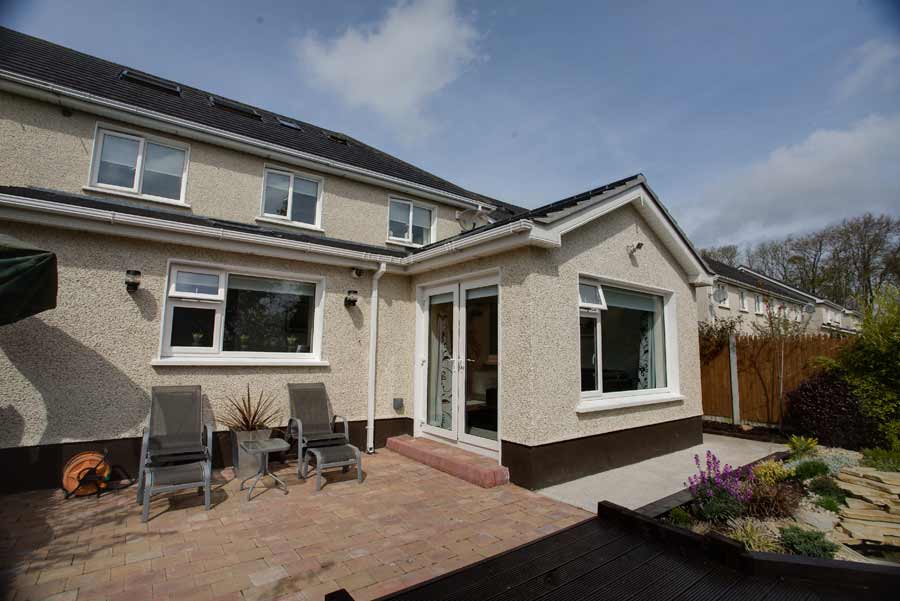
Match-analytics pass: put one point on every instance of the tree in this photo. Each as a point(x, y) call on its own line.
point(727, 254)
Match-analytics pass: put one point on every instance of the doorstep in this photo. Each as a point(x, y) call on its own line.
point(471, 467)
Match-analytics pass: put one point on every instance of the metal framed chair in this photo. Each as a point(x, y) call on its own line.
point(176, 449)
point(312, 420)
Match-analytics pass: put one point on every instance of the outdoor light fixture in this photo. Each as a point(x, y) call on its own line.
point(351, 298)
point(132, 280)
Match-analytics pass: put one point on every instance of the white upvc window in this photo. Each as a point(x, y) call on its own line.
point(722, 290)
point(218, 314)
point(139, 165)
point(292, 198)
point(743, 301)
point(760, 306)
point(410, 222)
point(627, 346)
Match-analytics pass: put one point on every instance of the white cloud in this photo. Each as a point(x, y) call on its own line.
point(831, 175)
point(874, 64)
point(395, 66)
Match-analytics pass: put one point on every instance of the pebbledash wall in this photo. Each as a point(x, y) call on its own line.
point(82, 372)
point(544, 439)
point(43, 148)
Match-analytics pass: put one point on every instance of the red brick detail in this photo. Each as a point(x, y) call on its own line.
point(471, 467)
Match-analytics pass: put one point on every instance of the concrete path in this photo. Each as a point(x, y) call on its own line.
point(636, 485)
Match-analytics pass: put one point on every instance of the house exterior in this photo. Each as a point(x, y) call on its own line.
point(559, 340)
point(741, 292)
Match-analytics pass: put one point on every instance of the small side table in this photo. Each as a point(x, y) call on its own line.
point(263, 448)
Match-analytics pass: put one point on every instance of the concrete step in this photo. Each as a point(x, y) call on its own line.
point(471, 467)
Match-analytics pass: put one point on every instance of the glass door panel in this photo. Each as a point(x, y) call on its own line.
point(440, 398)
point(479, 369)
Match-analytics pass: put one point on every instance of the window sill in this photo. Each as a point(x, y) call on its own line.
point(111, 192)
point(744, 311)
point(608, 404)
point(236, 362)
point(289, 223)
point(724, 307)
point(402, 243)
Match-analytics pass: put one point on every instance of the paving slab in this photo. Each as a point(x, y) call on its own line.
point(639, 484)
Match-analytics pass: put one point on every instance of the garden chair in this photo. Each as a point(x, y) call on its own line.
point(312, 421)
point(176, 450)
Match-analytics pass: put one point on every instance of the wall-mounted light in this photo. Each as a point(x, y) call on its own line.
point(351, 298)
point(633, 248)
point(132, 280)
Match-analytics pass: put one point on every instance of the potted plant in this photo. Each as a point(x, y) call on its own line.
point(248, 418)
point(244, 340)
point(292, 343)
point(197, 338)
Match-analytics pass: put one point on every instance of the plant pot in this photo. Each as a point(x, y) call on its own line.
point(246, 464)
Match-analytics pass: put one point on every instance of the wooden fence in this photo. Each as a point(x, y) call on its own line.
point(744, 381)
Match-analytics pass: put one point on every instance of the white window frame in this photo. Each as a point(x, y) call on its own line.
point(759, 306)
point(725, 304)
point(286, 219)
point(597, 400)
point(102, 130)
point(178, 356)
point(410, 204)
point(743, 300)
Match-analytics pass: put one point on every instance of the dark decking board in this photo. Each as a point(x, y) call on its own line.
point(631, 559)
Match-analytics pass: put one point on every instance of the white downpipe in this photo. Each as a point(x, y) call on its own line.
point(373, 346)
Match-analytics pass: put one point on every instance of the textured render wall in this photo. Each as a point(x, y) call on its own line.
point(539, 363)
point(40, 147)
point(396, 346)
point(82, 371)
point(709, 309)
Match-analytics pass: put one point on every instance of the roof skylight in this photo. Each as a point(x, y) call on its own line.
point(150, 80)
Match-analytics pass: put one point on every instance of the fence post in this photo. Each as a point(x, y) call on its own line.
point(735, 387)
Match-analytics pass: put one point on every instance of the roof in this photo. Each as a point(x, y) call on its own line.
point(739, 275)
point(39, 59)
point(620, 555)
point(118, 206)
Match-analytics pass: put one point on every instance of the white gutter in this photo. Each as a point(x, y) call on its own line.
point(373, 349)
point(91, 103)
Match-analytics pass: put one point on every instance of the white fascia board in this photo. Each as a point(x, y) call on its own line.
point(101, 221)
point(812, 298)
point(657, 220)
point(755, 290)
point(98, 105)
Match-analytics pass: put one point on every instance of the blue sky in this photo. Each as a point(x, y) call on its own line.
point(751, 120)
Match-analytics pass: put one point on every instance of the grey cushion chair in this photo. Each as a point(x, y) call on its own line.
point(312, 420)
point(176, 450)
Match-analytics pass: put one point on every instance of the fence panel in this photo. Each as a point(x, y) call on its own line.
point(715, 382)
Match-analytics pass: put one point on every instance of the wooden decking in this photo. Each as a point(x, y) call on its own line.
point(622, 556)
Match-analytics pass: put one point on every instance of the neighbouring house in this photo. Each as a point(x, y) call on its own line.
point(753, 296)
point(559, 341)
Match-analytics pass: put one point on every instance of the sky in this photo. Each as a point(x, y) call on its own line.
point(750, 120)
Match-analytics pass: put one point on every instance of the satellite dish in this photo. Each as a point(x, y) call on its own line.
point(471, 218)
point(720, 295)
point(809, 308)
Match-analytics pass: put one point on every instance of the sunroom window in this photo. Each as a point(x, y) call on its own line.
point(622, 344)
point(138, 165)
point(214, 312)
point(409, 222)
point(291, 197)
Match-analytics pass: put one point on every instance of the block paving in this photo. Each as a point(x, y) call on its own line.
point(405, 524)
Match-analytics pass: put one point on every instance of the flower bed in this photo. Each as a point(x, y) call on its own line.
point(793, 506)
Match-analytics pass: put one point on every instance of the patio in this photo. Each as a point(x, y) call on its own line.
point(406, 523)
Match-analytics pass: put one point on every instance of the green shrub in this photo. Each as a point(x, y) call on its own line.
point(825, 486)
point(771, 472)
point(753, 535)
point(802, 446)
point(886, 460)
point(871, 365)
point(811, 469)
point(679, 516)
point(720, 507)
point(775, 501)
point(829, 503)
point(809, 543)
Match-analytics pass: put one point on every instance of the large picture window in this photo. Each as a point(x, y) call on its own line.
point(622, 344)
point(139, 165)
point(232, 314)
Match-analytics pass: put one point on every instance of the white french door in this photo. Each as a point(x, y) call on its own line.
point(458, 363)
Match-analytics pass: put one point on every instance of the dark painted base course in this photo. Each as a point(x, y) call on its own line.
point(557, 462)
point(31, 468)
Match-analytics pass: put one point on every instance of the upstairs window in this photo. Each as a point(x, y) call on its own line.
point(292, 197)
point(410, 223)
point(743, 300)
point(138, 165)
point(759, 305)
point(722, 292)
